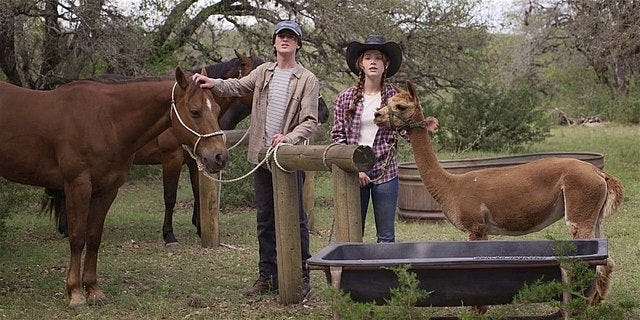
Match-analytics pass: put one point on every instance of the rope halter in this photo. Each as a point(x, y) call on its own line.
point(407, 123)
point(197, 134)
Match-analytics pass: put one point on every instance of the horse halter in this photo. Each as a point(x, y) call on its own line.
point(197, 134)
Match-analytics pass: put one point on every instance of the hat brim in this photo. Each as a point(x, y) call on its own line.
point(287, 28)
point(391, 49)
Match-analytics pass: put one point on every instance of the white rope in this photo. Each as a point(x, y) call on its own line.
point(275, 157)
point(271, 152)
point(246, 133)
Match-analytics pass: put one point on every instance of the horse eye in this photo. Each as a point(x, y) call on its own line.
point(195, 113)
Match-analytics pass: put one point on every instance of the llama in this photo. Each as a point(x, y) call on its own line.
point(513, 200)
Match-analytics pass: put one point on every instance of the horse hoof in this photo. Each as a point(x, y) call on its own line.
point(172, 245)
point(97, 298)
point(78, 304)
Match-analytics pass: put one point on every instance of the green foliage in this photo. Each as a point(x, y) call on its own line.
point(405, 296)
point(492, 119)
point(342, 305)
point(401, 304)
point(238, 193)
point(576, 90)
point(12, 197)
point(626, 108)
point(580, 276)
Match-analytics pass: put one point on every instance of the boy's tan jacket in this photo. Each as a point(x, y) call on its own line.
point(302, 109)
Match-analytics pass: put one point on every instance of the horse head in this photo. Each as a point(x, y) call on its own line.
point(247, 63)
point(195, 121)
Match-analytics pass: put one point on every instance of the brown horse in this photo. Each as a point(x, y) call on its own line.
point(81, 138)
point(168, 152)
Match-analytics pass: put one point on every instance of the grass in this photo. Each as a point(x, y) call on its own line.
point(143, 280)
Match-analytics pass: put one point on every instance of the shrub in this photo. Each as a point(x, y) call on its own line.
point(238, 193)
point(493, 119)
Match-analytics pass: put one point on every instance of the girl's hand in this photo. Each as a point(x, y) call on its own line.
point(364, 179)
point(432, 124)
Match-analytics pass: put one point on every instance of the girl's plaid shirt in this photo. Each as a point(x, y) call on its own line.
point(346, 130)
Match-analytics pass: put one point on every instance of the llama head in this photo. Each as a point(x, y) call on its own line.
point(403, 110)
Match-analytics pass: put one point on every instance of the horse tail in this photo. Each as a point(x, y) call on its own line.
point(53, 201)
point(615, 194)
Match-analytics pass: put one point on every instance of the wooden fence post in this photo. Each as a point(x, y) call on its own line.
point(345, 161)
point(209, 211)
point(347, 225)
point(287, 220)
point(309, 198)
point(210, 200)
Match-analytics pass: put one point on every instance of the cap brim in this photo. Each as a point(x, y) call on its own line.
point(390, 49)
point(287, 28)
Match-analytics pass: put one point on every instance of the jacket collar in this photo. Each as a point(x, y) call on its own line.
point(297, 70)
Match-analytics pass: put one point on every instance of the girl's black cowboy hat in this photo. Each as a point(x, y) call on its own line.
point(375, 42)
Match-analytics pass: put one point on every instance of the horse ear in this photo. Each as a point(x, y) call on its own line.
point(181, 79)
point(239, 55)
point(243, 59)
point(203, 71)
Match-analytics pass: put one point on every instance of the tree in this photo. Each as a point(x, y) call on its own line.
point(606, 33)
point(49, 42)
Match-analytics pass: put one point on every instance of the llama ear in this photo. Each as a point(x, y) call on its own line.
point(395, 87)
point(411, 88)
point(203, 71)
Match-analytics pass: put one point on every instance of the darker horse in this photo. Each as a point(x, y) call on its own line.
point(166, 151)
point(81, 138)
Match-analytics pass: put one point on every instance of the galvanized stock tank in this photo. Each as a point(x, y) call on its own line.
point(415, 202)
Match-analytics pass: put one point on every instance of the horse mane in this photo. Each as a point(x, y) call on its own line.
point(117, 78)
point(219, 70)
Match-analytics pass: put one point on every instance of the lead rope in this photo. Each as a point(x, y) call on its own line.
point(324, 162)
point(271, 152)
point(387, 162)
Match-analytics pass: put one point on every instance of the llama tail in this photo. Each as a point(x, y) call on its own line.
point(615, 194)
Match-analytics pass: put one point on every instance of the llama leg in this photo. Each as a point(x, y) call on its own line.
point(566, 296)
point(477, 236)
point(603, 282)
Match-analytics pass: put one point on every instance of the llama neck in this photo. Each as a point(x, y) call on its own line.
point(433, 175)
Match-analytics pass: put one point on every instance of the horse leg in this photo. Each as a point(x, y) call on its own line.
point(171, 167)
point(195, 188)
point(78, 195)
point(100, 205)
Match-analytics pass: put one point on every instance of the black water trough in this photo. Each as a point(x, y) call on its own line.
point(457, 273)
